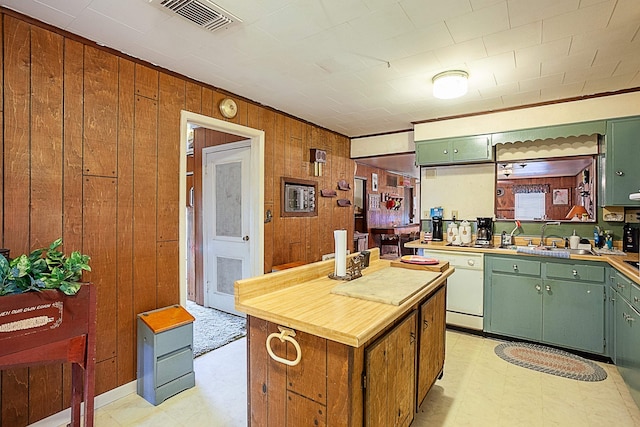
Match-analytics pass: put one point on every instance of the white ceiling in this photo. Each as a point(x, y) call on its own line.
point(362, 67)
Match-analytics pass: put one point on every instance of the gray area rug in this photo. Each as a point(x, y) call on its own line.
point(550, 360)
point(214, 328)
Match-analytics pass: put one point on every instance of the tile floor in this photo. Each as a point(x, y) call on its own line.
point(478, 389)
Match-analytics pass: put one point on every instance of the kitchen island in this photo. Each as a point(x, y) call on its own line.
point(352, 361)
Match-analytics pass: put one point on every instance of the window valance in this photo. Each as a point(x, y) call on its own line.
point(550, 132)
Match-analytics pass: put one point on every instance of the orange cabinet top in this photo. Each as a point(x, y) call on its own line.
point(166, 318)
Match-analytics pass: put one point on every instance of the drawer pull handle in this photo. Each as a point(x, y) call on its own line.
point(636, 299)
point(285, 334)
point(620, 286)
point(515, 267)
point(574, 272)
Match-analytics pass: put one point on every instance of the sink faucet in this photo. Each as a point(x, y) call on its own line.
point(545, 226)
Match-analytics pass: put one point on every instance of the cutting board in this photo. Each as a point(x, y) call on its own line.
point(440, 267)
point(389, 286)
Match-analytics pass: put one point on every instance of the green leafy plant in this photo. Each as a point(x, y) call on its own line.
point(35, 272)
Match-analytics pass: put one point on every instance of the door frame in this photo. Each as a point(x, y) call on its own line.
point(256, 199)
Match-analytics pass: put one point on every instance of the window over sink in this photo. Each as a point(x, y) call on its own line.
point(553, 189)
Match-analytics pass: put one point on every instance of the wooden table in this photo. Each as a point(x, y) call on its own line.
point(37, 328)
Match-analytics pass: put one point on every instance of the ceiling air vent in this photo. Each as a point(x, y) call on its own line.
point(203, 13)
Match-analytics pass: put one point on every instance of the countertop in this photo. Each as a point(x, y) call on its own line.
point(301, 298)
point(616, 261)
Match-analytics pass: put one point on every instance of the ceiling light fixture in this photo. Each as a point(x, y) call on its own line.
point(450, 84)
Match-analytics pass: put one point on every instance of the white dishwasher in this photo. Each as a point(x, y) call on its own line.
point(465, 287)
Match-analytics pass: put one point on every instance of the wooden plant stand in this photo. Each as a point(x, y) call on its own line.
point(50, 327)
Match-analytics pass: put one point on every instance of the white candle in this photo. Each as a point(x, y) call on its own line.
point(340, 238)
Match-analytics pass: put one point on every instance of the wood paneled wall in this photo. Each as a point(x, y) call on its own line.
point(505, 204)
point(91, 153)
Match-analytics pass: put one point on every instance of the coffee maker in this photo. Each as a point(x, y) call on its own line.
point(629, 239)
point(436, 228)
point(484, 233)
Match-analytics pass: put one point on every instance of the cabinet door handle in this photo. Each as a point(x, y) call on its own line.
point(445, 152)
point(636, 299)
point(455, 151)
point(515, 267)
point(538, 288)
point(425, 324)
point(574, 272)
point(548, 288)
point(412, 337)
point(285, 334)
point(619, 286)
point(619, 173)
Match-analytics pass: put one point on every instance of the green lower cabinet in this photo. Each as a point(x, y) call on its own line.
point(553, 302)
point(516, 306)
point(573, 314)
point(627, 342)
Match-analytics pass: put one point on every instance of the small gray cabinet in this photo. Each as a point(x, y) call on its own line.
point(468, 149)
point(165, 353)
point(556, 302)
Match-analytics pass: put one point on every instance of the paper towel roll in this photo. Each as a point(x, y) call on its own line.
point(340, 238)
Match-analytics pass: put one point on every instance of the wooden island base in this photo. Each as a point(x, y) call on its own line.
point(379, 383)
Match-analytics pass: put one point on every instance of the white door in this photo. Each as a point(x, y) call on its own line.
point(226, 222)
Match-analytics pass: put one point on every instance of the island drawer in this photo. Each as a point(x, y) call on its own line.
point(582, 272)
point(516, 266)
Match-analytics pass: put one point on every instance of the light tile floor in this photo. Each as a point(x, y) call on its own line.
point(478, 389)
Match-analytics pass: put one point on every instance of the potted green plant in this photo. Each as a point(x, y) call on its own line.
point(43, 269)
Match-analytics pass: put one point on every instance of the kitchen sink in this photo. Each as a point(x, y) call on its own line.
point(556, 249)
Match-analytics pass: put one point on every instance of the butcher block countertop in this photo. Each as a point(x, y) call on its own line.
point(300, 298)
point(617, 261)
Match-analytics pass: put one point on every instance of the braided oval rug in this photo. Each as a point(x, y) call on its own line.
point(551, 361)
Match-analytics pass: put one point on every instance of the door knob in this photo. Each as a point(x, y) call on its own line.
point(245, 238)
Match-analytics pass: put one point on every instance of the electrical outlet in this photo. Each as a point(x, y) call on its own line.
point(632, 215)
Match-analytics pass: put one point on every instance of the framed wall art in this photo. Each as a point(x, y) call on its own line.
point(561, 196)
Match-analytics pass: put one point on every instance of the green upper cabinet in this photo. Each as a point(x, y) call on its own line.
point(468, 149)
point(619, 166)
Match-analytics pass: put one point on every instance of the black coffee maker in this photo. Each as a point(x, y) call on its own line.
point(629, 239)
point(484, 232)
point(436, 228)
